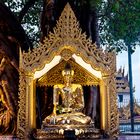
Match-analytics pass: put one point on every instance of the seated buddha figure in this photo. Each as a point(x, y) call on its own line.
point(68, 110)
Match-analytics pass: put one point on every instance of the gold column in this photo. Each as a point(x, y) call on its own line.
point(108, 115)
point(30, 102)
point(103, 106)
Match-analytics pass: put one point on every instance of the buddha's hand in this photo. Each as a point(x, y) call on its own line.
point(54, 111)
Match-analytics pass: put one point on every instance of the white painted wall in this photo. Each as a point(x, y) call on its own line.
point(126, 99)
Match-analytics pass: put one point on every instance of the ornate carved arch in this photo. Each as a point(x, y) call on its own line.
point(68, 35)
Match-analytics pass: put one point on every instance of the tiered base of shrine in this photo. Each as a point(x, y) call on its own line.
point(67, 131)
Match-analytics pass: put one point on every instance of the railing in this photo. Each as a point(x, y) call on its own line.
point(125, 125)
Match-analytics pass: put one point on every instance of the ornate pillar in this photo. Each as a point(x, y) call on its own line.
point(30, 102)
point(27, 105)
point(109, 105)
point(21, 118)
point(103, 102)
point(114, 115)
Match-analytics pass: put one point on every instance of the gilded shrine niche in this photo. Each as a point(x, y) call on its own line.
point(66, 69)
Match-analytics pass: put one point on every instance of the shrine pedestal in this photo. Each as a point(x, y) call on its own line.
point(63, 131)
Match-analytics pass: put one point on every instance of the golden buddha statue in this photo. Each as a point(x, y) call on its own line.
point(69, 111)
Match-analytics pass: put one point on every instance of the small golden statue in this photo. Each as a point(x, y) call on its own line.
point(69, 111)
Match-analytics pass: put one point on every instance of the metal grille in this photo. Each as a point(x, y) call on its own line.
point(124, 116)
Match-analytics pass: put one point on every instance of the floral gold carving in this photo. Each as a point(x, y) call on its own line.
point(66, 54)
point(21, 122)
point(67, 33)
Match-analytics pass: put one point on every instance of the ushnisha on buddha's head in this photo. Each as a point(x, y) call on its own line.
point(67, 74)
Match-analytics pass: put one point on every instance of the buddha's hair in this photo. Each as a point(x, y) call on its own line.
point(67, 66)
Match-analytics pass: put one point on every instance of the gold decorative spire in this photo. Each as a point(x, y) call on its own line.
point(68, 35)
point(68, 26)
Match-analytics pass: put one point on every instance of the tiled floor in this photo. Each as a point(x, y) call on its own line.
point(122, 137)
point(129, 137)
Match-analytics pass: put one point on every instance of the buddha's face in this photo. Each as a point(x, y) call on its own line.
point(67, 75)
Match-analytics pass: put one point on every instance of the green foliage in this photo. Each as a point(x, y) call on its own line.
point(120, 24)
point(14, 5)
point(95, 3)
point(31, 22)
point(118, 20)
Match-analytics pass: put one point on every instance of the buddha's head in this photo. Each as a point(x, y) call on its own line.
point(67, 74)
